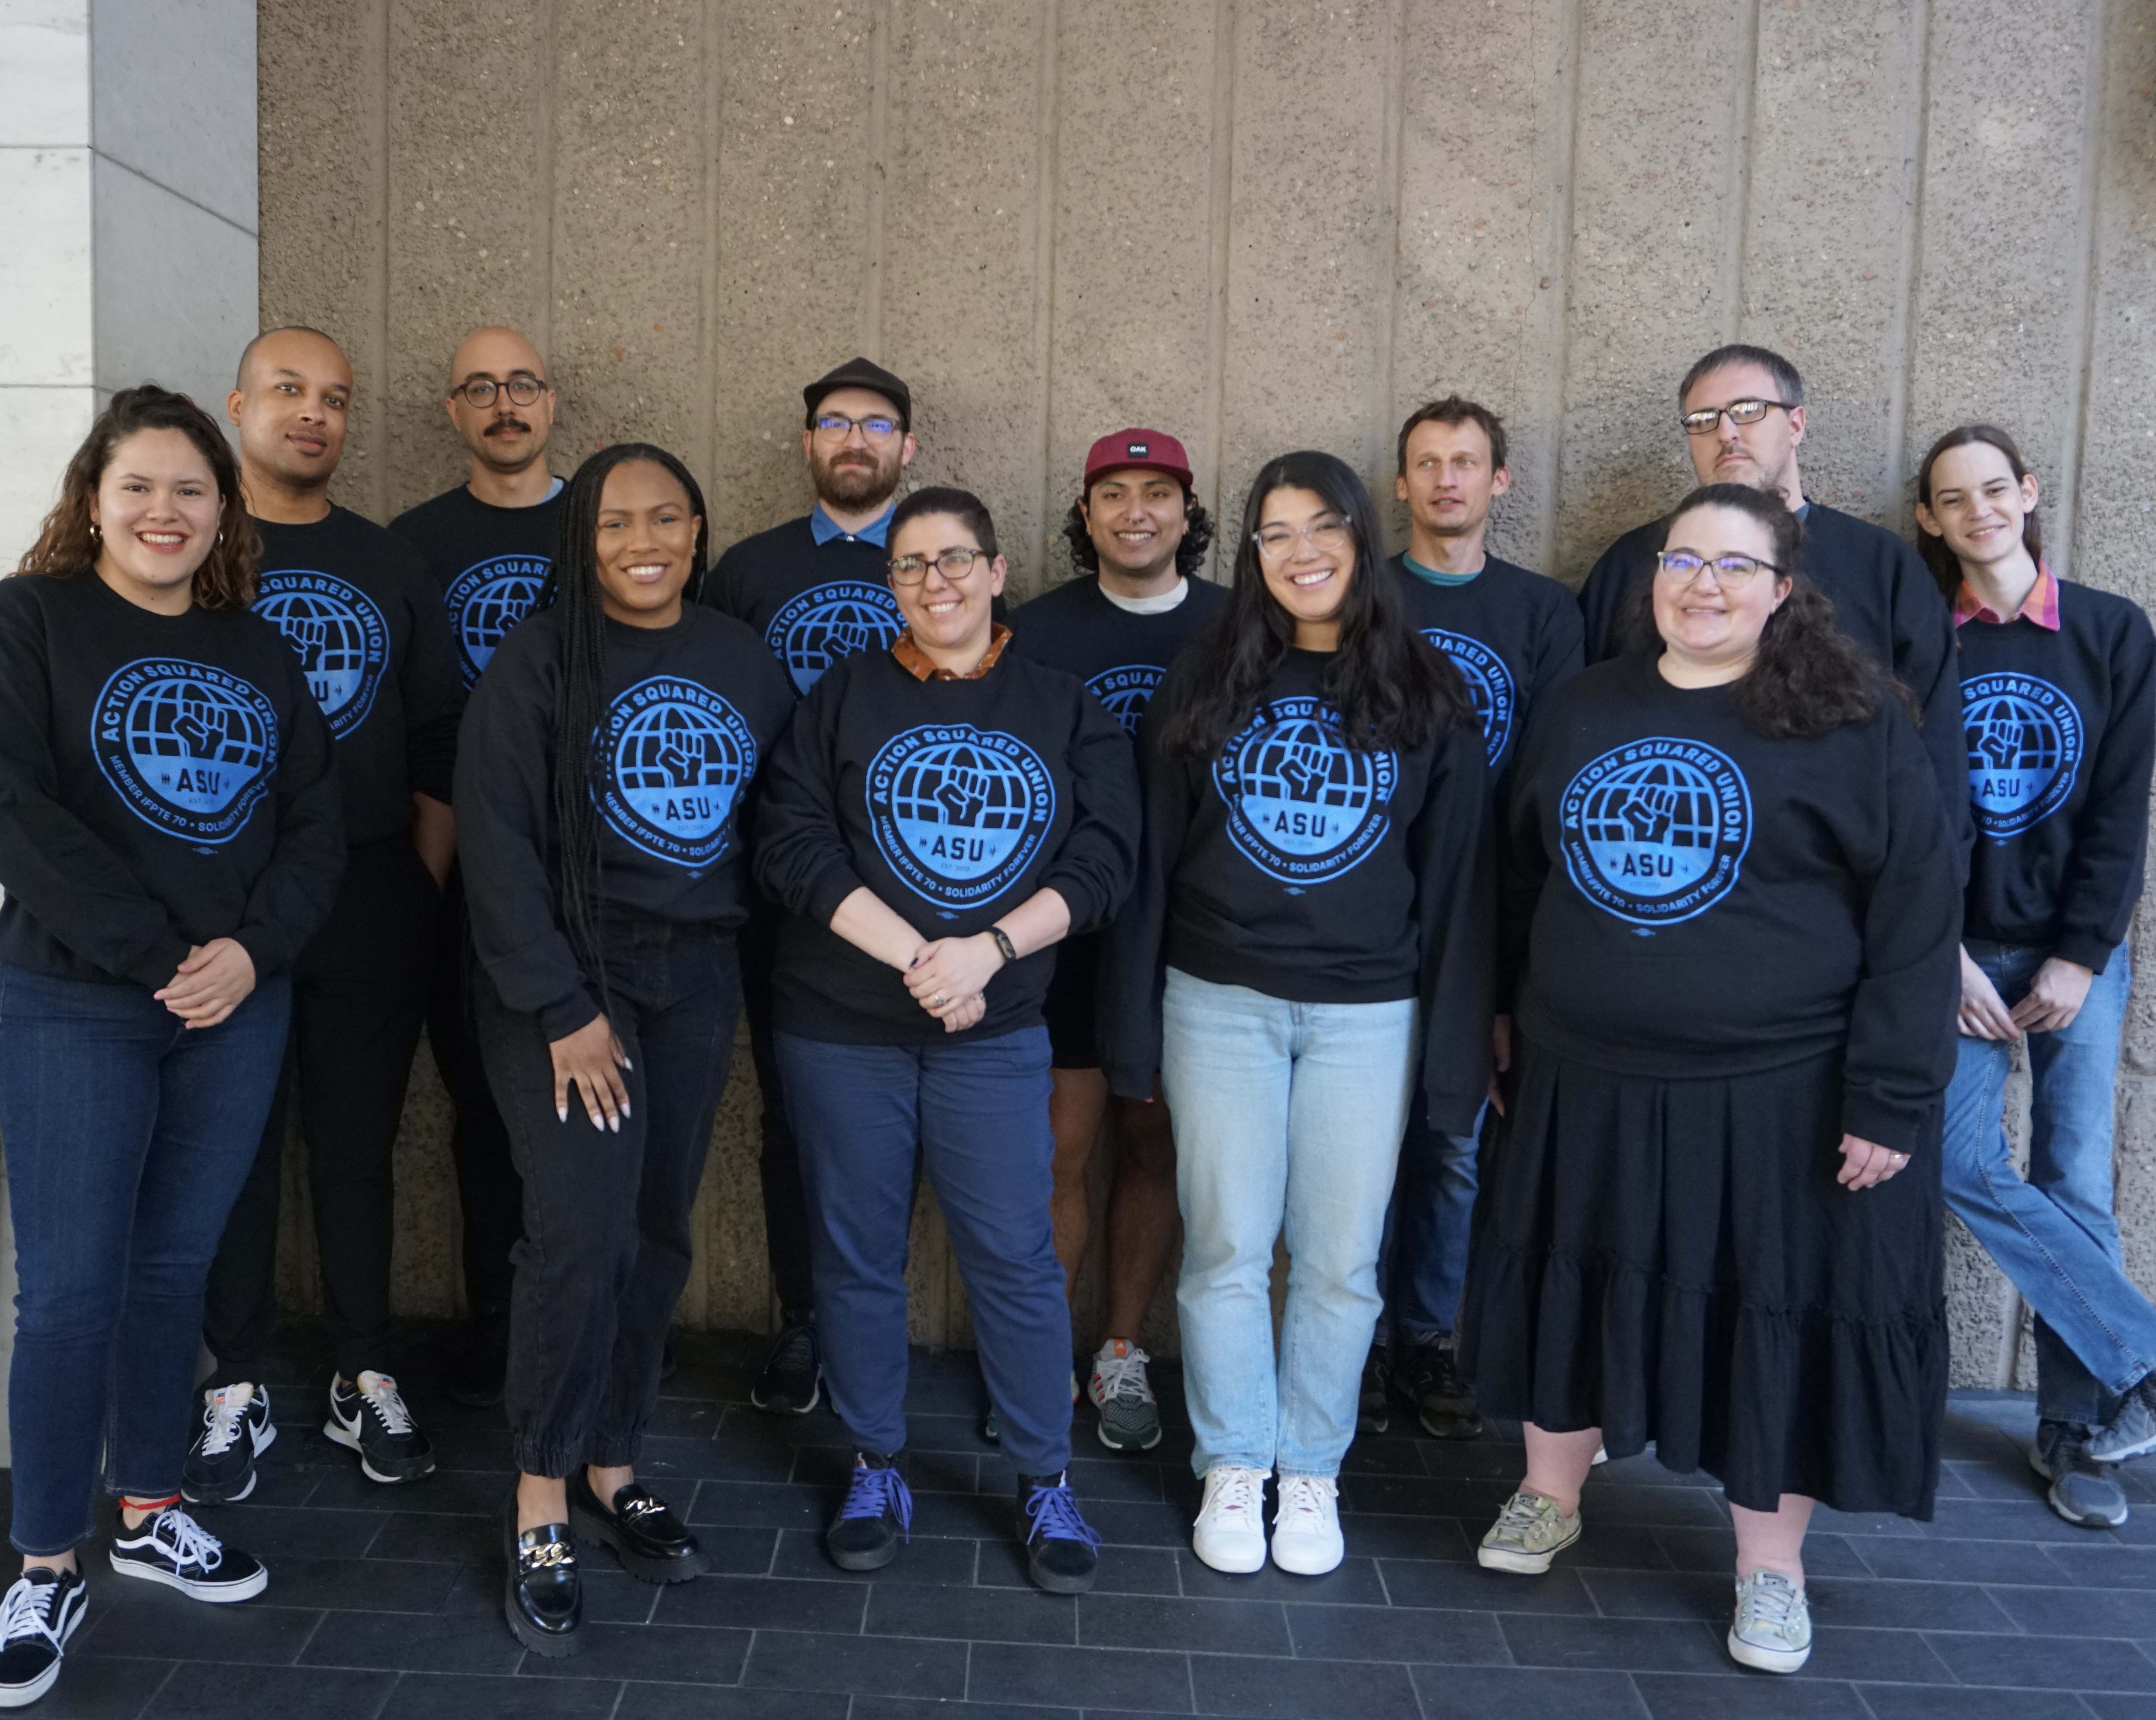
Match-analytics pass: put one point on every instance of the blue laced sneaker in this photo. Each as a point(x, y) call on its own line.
point(1062, 1553)
point(877, 1515)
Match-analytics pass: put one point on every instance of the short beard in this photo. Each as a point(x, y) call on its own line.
point(854, 487)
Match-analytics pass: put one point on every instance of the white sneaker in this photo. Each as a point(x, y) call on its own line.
point(1306, 1528)
point(1230, 1533)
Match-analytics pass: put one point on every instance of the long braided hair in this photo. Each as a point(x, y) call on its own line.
point(572, 588)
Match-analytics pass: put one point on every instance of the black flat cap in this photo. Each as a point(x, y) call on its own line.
point(860, 373)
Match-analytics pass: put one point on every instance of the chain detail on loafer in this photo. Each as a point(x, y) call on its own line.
point(543, 1597)
point(643, 1530)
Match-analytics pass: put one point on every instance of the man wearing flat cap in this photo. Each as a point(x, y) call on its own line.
point(815, 590)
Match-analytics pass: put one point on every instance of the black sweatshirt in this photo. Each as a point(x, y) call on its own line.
point(692, 712)
point(1884, 598)
point(354, 602)
point(164, 780)
point(812, 603)
point(1685, 898)
point(1295, 867)
point(1120, 656)
point(2061, 734)
point(954, 801)
point(1511, 635)
point(489, 563)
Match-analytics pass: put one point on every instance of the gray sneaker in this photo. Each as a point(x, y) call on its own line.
point(1130, 1414)
point(1772, 1629)
point(2083, 1490)
point(1529, 1532)
point(2133, 1431)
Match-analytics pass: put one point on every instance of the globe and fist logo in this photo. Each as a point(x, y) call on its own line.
point(2024, 739)
point(1303, 807)
point(1655, 832)
point(486, 600)
point(187, 747)
point(1489, 687)
point(828, 622)
point(1125, 691)
point(959, 812)
point(677, 756)
point(338, 632)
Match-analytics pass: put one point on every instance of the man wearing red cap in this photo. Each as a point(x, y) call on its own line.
point(1142, 534)
point(815, 590)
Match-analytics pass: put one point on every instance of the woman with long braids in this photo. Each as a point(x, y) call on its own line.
point(1710, 1218)
point(603, 769)
point(1306, 941)
point(170, 837)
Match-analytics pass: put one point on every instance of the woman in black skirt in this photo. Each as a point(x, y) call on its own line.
point(1712, 1218)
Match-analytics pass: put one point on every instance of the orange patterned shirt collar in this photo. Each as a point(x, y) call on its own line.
point(2040, 607)
point(918, 664)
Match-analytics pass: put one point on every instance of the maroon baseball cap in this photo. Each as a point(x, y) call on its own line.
point(1147, 448)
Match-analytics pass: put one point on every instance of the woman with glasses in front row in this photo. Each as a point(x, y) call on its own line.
point(1710, 1219)
point(940, 814)
point(1307, 940)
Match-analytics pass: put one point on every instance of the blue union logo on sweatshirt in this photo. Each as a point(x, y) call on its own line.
point(1303, 807)
point(1489, 684)
point(827, 622)
point(1655, 831)
point(1124, 692)
point(342, 641)
point(486, 600)
point(677, 757)
point(2024, 746)
point(959, 811)
point(189, 747)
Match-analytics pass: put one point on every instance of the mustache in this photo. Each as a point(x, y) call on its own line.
point(496, 426)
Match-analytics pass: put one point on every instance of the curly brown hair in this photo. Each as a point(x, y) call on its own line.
point(68, 542)
point(1809, 677)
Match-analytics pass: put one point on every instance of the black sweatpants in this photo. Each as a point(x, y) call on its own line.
point(489, 1191)
point(785, 1206)
point(359, 994)
point(605, 1251)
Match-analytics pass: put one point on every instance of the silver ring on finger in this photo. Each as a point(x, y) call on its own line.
point(940, 1002)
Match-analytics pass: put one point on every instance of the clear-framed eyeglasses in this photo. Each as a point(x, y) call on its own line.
point(1327, 535)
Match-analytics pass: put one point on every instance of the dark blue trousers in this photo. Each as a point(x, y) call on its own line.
point(977, 1115)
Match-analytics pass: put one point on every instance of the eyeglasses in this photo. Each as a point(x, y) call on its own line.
point(1684, 567)
point(1327, 536)
point(1709, 419)
point(480, 391)
point(875, 429)
point(953, 564)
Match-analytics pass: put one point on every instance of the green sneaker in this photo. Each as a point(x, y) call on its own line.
point(1529, 1532)
point(1130, 1415)
point(1772, 1629)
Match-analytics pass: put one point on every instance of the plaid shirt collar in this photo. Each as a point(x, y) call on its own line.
point(917, 663)
point(2040, 608)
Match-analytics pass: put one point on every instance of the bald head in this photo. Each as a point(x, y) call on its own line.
point(507, 436)
point(295, 343)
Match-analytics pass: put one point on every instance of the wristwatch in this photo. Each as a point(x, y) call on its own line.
point(1004, 943)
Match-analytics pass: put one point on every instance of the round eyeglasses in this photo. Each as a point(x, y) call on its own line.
point(523, 388)
point(953, 564)
point(1328, 537)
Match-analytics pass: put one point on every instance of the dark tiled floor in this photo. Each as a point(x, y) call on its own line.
point(386, 1601)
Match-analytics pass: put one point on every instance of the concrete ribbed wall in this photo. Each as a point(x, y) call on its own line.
point(1260, 223)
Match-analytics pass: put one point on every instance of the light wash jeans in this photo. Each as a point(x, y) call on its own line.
point(1286, 1114)
point(2053, 1234)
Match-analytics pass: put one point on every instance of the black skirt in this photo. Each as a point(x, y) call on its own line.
point(1672, 1261)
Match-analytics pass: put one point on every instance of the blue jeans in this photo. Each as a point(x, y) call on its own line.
point(128, 1137)
point(1423, 1266)
point(1286, 1115)
point(975, 1114)
point(2054, 1233)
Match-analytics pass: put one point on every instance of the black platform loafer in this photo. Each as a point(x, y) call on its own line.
point(544, 1596)
point(644, 1532)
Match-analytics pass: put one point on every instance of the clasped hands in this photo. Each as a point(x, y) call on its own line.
point(211, 984)
point(948, 976)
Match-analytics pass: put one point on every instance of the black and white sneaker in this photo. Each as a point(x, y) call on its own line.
point(791, 1381)
point(236, 1431)
point(370, 1418)
point(173, 1548)
point(40, 1613)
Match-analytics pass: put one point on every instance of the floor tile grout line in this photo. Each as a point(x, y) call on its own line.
point(171, 1672)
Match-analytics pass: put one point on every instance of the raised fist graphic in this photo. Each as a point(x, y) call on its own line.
point(1304, 770)
point(311, 638)
point(963, 795)
point(848, 637)
point(1650, 813)
point(681, 770)
point(1999, 740)
point(197, 736)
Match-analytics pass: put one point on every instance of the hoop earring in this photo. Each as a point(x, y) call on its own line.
point(220, 538)
point(96, 532)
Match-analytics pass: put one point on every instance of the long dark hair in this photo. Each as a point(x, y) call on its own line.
point(67, 542)
point(1390, 686)
point(1809, 677)
point(573, 588)
point(1945, 565)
